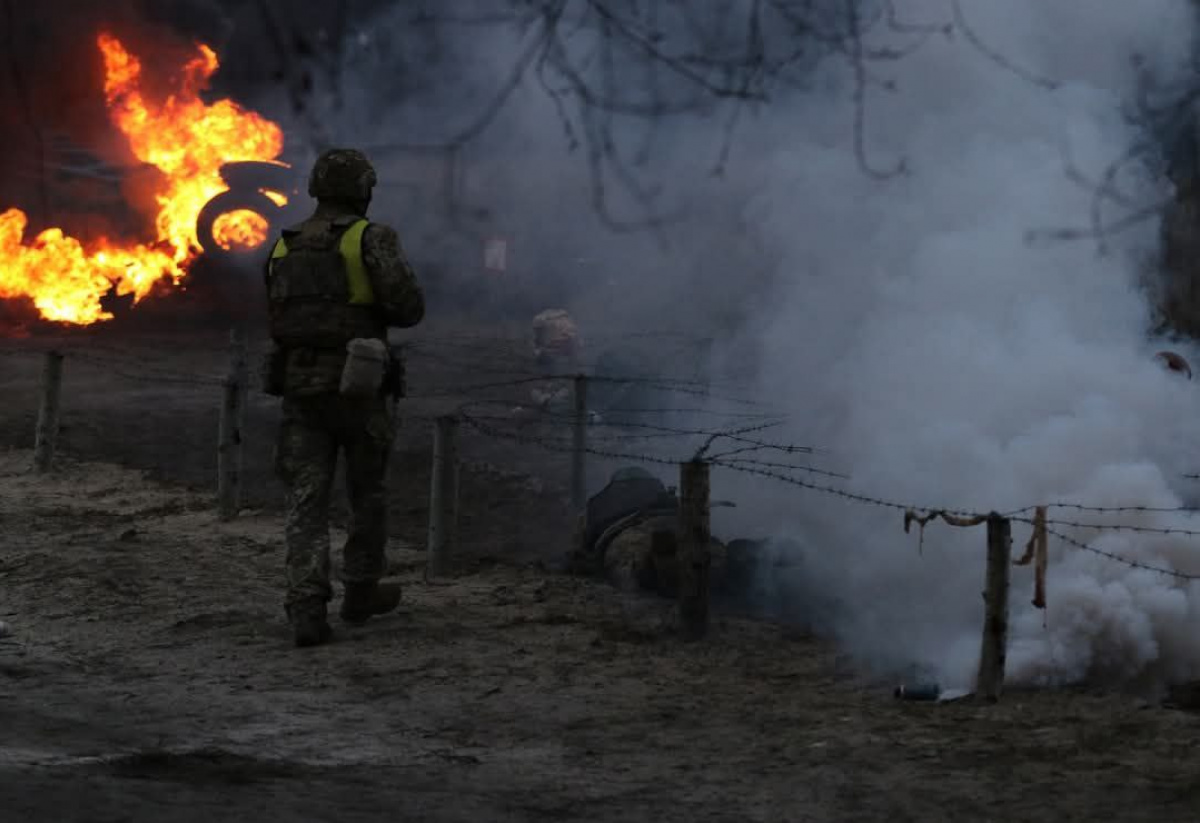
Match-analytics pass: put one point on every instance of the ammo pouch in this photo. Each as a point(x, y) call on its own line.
point(366, 367)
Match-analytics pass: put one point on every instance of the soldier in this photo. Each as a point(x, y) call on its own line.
point(333, 279)
point(556, 349)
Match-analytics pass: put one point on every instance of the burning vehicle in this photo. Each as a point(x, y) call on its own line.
point(220, 187)
point(206, 185)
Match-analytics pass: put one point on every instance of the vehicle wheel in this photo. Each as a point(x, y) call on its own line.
point(231, 201)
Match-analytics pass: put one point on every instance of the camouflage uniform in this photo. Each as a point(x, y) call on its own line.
point(320, 298)
point(556, 350)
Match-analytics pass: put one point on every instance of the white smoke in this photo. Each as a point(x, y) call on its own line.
point(944, 361)
point(910, 329)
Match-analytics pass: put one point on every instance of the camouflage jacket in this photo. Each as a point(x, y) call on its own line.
point(312, 333)
point(399, 296)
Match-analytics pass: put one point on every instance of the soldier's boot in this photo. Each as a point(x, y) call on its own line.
point(309, 625)
point(362, 601)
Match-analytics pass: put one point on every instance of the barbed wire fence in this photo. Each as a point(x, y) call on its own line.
point(555, 416)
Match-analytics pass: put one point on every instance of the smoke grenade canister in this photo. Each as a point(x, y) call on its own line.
point(919, 691)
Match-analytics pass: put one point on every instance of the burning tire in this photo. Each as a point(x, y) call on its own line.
point(242, 219)
point(236, 222)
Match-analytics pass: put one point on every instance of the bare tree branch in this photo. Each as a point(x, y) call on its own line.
point(960, 24)
point(858, 65)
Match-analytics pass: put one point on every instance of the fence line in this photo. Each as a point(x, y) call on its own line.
point(582, 431)
point(730, 459)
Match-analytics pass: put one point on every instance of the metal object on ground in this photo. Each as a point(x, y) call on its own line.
point(920, 691)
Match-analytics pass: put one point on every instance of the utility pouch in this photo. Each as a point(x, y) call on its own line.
point(365, 369)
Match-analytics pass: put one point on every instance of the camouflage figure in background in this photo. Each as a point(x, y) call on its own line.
point(555, 340)
point(556, 351)
point(334, 278)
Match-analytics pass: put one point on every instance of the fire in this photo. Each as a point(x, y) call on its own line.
point(242, 228)
point(187, 140)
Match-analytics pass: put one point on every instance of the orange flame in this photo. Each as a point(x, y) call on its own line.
point(187, 140)
point(242, 228)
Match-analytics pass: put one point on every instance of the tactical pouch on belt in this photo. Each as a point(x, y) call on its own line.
point(365, 369)
point(274, 371)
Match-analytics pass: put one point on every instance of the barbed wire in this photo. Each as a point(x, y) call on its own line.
point(1125, 527)
point(565, 443)
point(459, 390)
point(734, 459)
point(489, 355)
point(491, 431)
point(605, 437)
point(666, 385)
point(150, 375)
point(684, 410)
point(752, 444)
point(1125, 561)
point(145, 374)
point(569, 418)
point(486, 357)
point(1123, 509)
point(768, 464)
point(560, 413)
point(852, 496)
point(1011, 514)
point(866, 499)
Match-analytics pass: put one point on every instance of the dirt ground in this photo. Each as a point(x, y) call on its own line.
point(148, 673)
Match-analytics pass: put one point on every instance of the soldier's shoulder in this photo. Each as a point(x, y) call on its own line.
point(380, 233)
point(382, 242)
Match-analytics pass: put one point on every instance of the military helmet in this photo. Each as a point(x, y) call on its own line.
point(342, 174)
point(630, 473)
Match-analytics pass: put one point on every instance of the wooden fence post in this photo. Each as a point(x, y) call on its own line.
point(443, 497)
point(229, 438)
point(451, 542)
point(993, 653)
point(692, 547)
point(579, 423)
point(45, 439)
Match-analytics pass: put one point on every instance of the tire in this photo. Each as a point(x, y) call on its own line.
point(231, 201)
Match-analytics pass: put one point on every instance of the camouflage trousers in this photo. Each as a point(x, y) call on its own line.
point(313, 433)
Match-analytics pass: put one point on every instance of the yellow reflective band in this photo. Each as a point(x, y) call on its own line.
point(361, 292)
point(350, 247)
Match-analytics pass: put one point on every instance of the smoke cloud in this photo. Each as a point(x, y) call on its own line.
point(905, 324)
point(945, 362)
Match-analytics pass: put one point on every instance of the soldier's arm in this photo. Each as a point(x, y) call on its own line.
point(397, 292)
